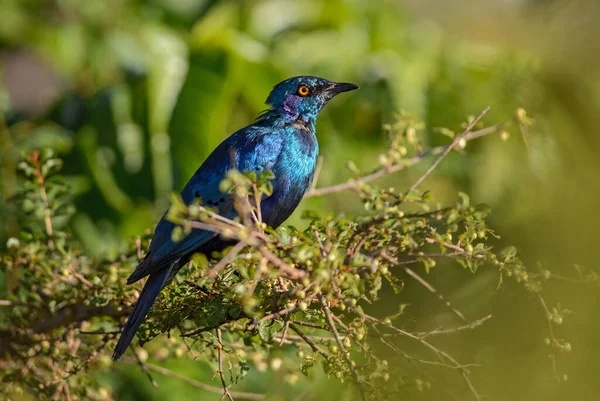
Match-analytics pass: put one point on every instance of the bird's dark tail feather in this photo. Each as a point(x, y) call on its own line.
point(154, 284)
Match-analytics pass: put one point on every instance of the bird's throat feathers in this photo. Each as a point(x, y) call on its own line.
point(291, 112)
point(291, 106)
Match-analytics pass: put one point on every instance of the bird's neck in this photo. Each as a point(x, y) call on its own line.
point(280, 118)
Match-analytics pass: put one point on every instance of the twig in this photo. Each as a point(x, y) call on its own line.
point(44, 199)
point(257, 196)
point(423, 361)
point(336, 335)
point(549, 320)
point(144, 368)
point(205, 329)
point(447, 150)
point(291, 337)
point(309, 324)
point(206, 226)
point(291, 271)
point(63, 317)
point(56, 394)
point(219, 218)
point(226, 392)
point(318, 167)
point(316, 349)
point(441, 354)
point(101, 332)
point(382, 172)
point(138, 247)
point(80, 276)
point(197, 384)
point(285, 331)
point(67, 391)
point(469, 326)
point(319, 242)
point(227, 259)
point(425, 284)
point(283, 312)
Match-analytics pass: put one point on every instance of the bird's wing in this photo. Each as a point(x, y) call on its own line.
point(246, 151)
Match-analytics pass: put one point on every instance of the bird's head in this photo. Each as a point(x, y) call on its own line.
point(301, 98)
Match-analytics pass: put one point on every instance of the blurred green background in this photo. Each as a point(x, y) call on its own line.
point(135, 94)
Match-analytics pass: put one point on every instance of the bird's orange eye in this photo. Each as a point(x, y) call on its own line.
point(303, 90)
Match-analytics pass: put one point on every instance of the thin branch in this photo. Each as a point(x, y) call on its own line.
point(205, 329)
point(291, 337)
point(46, 207)
point(226, 392)
point(423, 361)
point(313, 185)
point(319, 242)
point(336, 335)
point(144, 368)
point(447, 150)
point(469, 326)
point(67, 391)
point(289, 270)
point(283, 312)
point(197, 384)
point(257, 195)
point(63, 317)
point(100, 332)
point(206, 226)
point(382, 172)
point(548, 315)
point(310, 324)
point(285, 331)
point(425, 284)
point(227, 259)
point(138, 247)
point(316, 349)
point(441, 354)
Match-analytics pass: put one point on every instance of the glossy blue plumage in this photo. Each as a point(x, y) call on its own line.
point(282, 140)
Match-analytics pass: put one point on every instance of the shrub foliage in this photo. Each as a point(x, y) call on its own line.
point(289, 287)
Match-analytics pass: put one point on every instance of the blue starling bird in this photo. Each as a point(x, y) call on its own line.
point(282, 139)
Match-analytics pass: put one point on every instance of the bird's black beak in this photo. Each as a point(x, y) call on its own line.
point(338, 87)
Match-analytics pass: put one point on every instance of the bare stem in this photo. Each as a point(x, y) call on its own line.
point(285, 268)
point(384, 171)
point(469, 326)
point(280, 313)
point(318, 167)
point(227, 259)
point(447, 150)
point(197, 384)
point(144, 368)
point(316, 349)
point(425, 284)
point(41, 179)
point(226, 393)
point(336, 335)
point(374, 322)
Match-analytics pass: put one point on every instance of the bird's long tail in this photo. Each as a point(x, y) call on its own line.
point(156, 281)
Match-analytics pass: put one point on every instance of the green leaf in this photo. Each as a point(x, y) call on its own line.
point(465, 201)
point(268, 328)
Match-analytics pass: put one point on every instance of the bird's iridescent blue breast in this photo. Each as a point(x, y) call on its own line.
point(293, 172)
